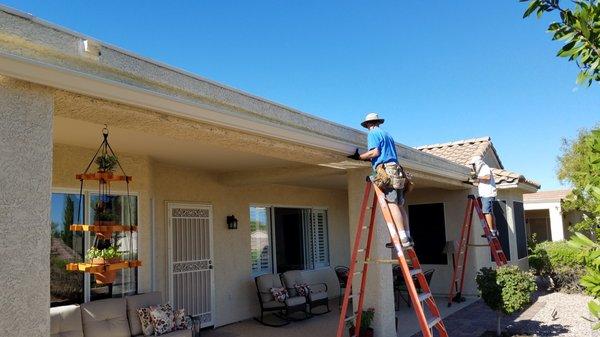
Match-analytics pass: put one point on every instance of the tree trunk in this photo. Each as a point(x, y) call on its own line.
point(499, 324)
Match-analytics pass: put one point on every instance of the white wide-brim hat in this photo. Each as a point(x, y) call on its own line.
point(372, 117)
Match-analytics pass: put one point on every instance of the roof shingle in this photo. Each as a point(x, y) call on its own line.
point(461, 152)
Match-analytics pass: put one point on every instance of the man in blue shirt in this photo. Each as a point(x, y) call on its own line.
point(382, 151)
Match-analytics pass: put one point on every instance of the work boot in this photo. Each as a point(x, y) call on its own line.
point(405, 242)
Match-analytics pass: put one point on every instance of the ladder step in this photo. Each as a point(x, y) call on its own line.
point(414, 272)
point(360, 251)
point(433, 322)
point(424, 296)
point(357, 272)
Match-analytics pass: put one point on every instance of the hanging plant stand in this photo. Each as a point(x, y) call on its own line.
point(104, 258)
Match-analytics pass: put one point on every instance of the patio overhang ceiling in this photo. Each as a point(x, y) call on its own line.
point(39, 52)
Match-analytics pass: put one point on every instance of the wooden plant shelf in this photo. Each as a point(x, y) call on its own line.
point(102, 229)
point(102, 268)
point(103, 176)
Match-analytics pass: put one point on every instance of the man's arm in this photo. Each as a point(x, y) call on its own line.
point(485, 174)
point(370, 154)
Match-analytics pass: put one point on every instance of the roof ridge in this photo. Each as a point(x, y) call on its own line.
point(457, 142)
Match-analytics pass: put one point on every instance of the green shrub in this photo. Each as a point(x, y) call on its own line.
point(506, 289)
point(560, 261)
point(591, 280)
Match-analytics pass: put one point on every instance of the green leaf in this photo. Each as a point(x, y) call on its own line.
point(581, 77)
point(533, 5)
point(566, 48)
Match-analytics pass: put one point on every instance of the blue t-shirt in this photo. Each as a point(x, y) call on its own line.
point(377, 138)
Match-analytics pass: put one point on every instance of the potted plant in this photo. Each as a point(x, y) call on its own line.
point(106, 163)
point(104, 257)
point(365, 324)
point(103, 216)
point(94, 256)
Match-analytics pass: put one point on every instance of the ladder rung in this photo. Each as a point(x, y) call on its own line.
point(365, 227)
point(357, 272)
point(499, 251)
point(424, 296)
point(433, 322)
point(414, 272)
point(382, 261)
point(349, 318)
point(360, 251)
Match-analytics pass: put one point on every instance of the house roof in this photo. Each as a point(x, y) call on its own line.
point(462, 150)
point(546, 196)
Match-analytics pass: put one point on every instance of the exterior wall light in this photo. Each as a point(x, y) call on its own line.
point(232, 222)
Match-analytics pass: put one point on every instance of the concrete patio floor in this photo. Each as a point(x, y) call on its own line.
point(326, 325)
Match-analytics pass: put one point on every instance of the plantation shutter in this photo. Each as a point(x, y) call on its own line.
point(260, 240)
point(320, 238)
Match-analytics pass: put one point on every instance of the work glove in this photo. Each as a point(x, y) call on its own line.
point(355, 155)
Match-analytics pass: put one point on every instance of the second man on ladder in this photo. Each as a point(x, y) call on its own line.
point(487, 190)
point(384, 159)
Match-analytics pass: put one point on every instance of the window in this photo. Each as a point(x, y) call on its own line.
point(283, 239)
point(126, 280)
point(67, 246)
point(428, 230)
point(260, 250)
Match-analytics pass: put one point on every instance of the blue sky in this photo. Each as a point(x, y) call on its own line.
point(437, 70)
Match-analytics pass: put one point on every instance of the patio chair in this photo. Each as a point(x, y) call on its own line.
point(400, 285)
point(342, 275)
point(267, 302)
point(317, 296)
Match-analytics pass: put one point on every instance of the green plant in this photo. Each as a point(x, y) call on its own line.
point(505, 290)
point(591, 279)
point(93, 253)
point(580, 167)
point(579, 28)
point(559, 261)
point(111, 252)
point(103, 213)
point(106, 162)
point(366, 320)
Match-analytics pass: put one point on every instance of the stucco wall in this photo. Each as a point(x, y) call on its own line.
point(158, 182)
point(235, 291)
point(455, 203)
point(25, 166)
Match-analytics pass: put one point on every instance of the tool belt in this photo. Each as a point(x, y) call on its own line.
point(392, 175)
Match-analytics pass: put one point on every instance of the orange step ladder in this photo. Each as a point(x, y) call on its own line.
point(425, 323)
point(456, 285)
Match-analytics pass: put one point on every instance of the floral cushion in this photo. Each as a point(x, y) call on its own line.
point(146, 321)
point(302, 289)
point(182, 322)
point(162, 318)
point(280, 294)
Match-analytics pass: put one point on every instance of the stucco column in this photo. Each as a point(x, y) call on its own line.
point(556, 223)
point(379, 292)
point(25, 181)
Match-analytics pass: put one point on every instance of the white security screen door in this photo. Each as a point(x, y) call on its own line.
point(190, 260)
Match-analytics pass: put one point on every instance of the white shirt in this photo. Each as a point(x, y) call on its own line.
point(488, 189)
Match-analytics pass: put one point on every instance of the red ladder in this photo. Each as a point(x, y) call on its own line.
point(417, 299)
point(456, 285)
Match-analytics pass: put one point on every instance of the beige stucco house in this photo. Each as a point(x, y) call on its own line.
point(545, 216)
point(197, 147)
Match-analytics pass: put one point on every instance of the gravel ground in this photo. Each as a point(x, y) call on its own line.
point(556, 314)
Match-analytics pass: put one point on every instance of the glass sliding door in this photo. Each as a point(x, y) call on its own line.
point(65, 247)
